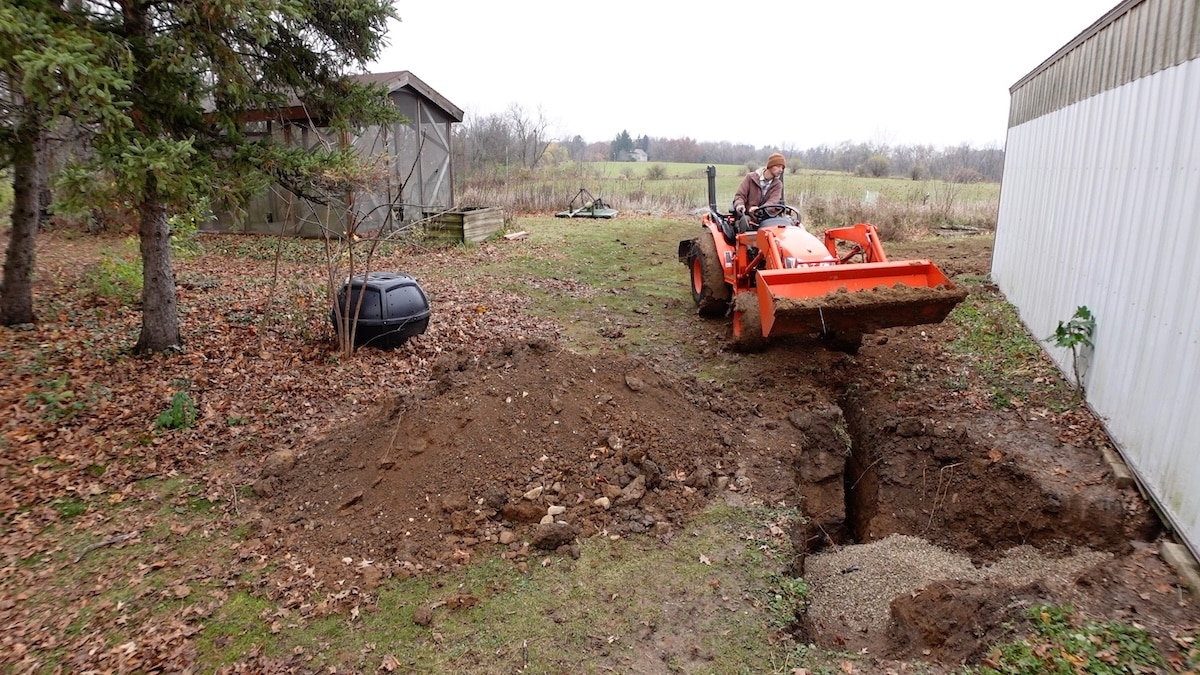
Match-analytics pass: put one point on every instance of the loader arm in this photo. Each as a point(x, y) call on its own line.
point(861, 234)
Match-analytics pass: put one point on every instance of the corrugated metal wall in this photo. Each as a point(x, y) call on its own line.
point(1100, 207)
point(1137, 38)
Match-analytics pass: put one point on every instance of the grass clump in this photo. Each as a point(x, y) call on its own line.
point(116, 277)
point(1063, 642)
point(610, 609)
point(995, 345)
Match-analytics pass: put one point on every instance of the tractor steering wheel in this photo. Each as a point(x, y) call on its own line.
point(761, 213)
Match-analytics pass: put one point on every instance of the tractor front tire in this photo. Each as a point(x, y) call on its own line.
point(709, 290)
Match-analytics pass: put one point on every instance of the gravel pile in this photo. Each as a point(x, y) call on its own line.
point(855, 584)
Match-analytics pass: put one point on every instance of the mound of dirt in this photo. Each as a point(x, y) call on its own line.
point(524, 447)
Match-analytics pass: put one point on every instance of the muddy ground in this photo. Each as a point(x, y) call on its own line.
point(523, 447)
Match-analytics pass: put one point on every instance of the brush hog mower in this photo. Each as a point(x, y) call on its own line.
point(772, 278)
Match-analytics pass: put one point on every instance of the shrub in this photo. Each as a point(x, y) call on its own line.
point(115, 278)
point(181, 414)
point(967, 175)
point(1076, 335)
point(57, 400)
point(878, 165)
point(656, 172)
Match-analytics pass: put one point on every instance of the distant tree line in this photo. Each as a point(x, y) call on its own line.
point(518, 140)
point(962, 163)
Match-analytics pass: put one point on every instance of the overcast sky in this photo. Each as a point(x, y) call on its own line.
point(796, 73)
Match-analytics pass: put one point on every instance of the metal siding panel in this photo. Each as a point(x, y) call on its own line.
point(1191, 18)
point(1128, 57)
point(1110, 60)
point(1150, 36)
point(1162, 43)
point(1174, 16)
point(1137, 43)
point(1099, 208)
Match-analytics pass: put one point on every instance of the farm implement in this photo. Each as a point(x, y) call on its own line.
point(584, 205)
point(772, 277)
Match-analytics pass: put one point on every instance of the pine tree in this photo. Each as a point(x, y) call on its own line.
point(621, 146)
point(52, 64)
point(197, 70)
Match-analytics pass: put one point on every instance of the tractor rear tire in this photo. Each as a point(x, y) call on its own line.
point(709, 290)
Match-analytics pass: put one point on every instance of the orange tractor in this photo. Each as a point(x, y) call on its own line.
point(773, 277)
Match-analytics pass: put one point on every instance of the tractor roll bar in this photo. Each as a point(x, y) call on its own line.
point(711, 172)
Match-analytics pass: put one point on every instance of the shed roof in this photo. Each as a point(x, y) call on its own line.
point(401, 79)
point(392, 81)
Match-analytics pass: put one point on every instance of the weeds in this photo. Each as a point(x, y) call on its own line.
point(181, 414)
point(1064, 643)
point(68, 507)
point(786, 599)
point(116, 278)
point(59, 402)
point(994, 344)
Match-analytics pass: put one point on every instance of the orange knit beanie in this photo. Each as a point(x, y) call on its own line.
point(775, 159)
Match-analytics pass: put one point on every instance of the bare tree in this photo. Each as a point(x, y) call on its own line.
point(529, 134)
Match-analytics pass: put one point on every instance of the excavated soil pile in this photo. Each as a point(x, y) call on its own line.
point(497, 443)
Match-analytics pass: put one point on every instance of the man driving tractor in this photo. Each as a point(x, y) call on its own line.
point(759, 188)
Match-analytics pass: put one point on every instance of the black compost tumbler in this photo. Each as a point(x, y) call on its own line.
point(394, 309)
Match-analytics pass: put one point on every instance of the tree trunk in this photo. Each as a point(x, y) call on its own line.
point(16, 293)
point(160, 307)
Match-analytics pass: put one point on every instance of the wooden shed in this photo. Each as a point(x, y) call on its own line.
point(419, 176)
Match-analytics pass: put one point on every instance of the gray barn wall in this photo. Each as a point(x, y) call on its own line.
point(416, 181)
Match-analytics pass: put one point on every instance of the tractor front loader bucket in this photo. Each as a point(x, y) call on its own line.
point(854, 299)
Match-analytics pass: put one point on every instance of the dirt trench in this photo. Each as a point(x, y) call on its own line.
point(895, 495)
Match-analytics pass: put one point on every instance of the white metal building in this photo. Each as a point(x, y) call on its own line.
point(1100, 207)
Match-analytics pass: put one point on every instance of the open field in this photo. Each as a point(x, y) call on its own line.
point(903, 206)
point(255, 503)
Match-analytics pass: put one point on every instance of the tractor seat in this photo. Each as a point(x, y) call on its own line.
point(728, 231)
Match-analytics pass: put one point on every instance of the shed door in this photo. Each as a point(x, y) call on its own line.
point(422, 157)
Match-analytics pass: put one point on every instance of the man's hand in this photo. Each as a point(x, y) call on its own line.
point(741, 209)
